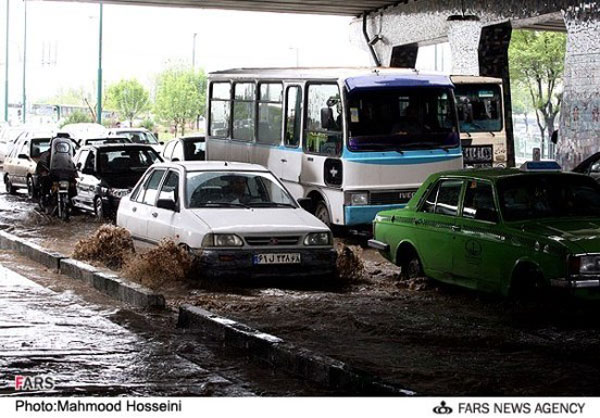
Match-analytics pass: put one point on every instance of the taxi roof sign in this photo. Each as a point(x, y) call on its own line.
point(541, 166)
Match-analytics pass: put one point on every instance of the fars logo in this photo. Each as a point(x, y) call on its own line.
point(33, 383)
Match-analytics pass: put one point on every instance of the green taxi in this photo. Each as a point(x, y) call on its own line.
point(498, 230)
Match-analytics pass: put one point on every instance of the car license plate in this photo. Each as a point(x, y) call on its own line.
point(478, 154)
point(285, 258)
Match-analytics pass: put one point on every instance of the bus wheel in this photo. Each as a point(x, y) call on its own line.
point(322, 213)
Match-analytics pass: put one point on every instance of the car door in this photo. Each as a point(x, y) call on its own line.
point(162, 221)
point(143, 206)
point(88, 181)
point(435, 226)
point(11, 163)
point(479, 240)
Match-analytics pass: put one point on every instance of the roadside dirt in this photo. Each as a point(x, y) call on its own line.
point(423, 336)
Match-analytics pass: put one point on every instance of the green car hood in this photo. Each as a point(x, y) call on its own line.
point(578, 235)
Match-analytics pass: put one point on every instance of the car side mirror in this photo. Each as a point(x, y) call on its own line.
point(23, 157)
point(161, 142)
point(78, 166)
point(306, 203)
point(554, 137)
point(167, 204)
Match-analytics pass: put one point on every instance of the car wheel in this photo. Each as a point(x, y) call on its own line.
point(98, 209)
point(322, 213)
point(9, 187)
point(31, 192)
point(411, 267)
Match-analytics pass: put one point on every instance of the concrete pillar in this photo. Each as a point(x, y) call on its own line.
point(463, 35)
point(579, 131)
point(404, 56)
point(493, 62)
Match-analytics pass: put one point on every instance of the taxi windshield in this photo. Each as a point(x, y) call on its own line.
point(534, 196)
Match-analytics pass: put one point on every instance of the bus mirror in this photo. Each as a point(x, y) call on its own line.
point(327, 121)
point(554, 137)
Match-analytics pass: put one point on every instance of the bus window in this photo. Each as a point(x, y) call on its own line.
point(220, 105)
point(479, 107)
point(270, 113)
point(243, 111)
point(324, 120)
point(292, 116)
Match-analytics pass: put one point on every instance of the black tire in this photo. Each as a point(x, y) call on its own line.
point(10, 189)
point(322, 213)
point(99, 213)
point(410, 267)
point(528, 285)
point(31, 192)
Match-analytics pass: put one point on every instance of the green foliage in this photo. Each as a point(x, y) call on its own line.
point(180, 96)
point(148, 124)
point(129, 98)
point(537, 66)
point(71, 96)
point(77, 117)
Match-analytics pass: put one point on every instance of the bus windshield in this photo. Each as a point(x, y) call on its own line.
point(479, 107)
point(402, 119)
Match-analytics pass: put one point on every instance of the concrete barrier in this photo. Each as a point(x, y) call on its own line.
point(286, 356)
point(108, 283)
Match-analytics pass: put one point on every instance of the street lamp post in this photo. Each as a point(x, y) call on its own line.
point(6, 65)
point(99, 100)
point(24, 111)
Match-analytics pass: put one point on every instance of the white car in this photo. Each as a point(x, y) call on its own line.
point(138, 136)
point(237, 219)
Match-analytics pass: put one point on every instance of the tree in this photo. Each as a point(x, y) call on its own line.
point(129, 98)
point(77, 117)
point(180, 96)
point(537, 62)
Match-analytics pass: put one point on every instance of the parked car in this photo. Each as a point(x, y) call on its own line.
point(188, 148)
point(107, 172)
point(236, 219)
point(499, 230)
point(8, 136)
point(21, 162)
point(138, 136)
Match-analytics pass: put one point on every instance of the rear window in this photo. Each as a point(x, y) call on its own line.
point(123, 161)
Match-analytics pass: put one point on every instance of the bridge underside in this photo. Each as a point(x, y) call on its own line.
point(479, 33)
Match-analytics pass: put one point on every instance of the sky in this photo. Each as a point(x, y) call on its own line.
point(62, 43)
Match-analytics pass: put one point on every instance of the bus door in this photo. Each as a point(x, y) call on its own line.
point(291, 155)
point(268, 151)
point(323, 138)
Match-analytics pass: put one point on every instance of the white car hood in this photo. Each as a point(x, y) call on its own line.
point(259, 220)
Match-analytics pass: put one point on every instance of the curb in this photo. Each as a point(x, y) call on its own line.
point(286, 356)
point(107, 283)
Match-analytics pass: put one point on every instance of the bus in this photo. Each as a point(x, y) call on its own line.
point(480, 106)
point(353, 140)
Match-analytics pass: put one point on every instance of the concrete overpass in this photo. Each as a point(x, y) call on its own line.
point(479, 33)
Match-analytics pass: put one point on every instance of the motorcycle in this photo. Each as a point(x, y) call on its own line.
point(57, 201)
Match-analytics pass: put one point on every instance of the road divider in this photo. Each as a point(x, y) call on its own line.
point(107, 283)
point(284, 355)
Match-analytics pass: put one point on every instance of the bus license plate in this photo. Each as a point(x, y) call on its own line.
point(285, 258)
point(478, 154)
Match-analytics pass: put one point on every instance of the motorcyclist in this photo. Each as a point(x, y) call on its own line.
point(56, 164)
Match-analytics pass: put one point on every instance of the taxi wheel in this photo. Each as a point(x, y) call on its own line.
point(31, 192)
point(411, 267)
point(10, 189)
point(322, 213)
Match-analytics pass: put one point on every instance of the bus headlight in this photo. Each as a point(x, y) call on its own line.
point(222, 240)
point(318, 238)
point(357, 198)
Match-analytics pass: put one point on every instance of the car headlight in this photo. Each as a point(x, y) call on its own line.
point(585, 265)
point(222, 240)
point(357, 198)
point(318, 238)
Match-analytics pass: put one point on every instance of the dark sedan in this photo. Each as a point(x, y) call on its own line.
point(107, 172)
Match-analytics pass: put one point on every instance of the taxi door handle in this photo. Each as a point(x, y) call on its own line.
point(455, 228)
point(283, 160)
point(134, 209)
point(310, 159)
point(154, 214)
point(418, 222)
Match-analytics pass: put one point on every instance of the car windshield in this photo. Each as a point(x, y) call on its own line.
point(401, 119)
point(125, 161)
point(548, 196)
point(139, 137)
point(235, 189)
point(479, 107)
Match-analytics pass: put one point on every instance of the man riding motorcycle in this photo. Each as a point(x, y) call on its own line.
point(56, 175)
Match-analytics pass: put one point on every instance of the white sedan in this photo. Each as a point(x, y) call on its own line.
point(237, 219)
